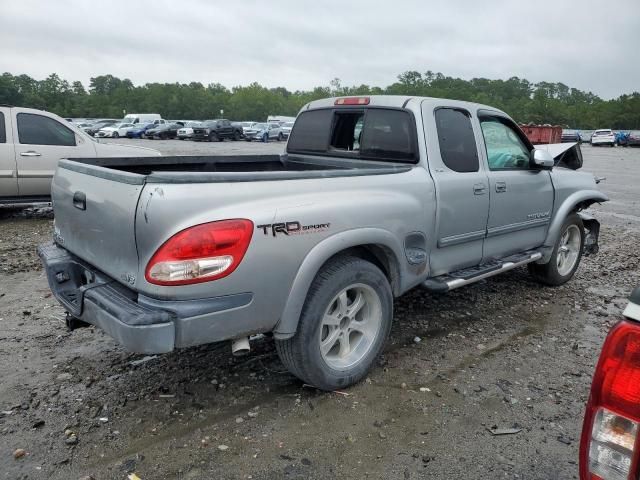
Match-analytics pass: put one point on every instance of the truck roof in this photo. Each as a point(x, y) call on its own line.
point(399, 101)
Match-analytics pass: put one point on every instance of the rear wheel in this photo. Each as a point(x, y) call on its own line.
point(344, 323)
point(280, 137)
point(115, 135)
point(566, 255)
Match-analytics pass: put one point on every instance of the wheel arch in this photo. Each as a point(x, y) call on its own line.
point(573, 203)
point(378, 246)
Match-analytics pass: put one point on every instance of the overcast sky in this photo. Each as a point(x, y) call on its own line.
point(591, 44)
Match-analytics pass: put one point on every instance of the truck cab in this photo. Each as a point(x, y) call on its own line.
point(31, 143)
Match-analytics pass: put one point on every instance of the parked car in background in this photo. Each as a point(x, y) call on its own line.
point(634, 139)
point(144, 118)
point(97, 125)
point(604, 136)
point(217, 130)
point(139, 129)
point(31, 144)
point(186, 132)
point(622, 138)
point(164, 131)
point(247, 124)
point(570, 136)
point(286, 129)
point(609, 442)
point(115, 131)
point(264, 132)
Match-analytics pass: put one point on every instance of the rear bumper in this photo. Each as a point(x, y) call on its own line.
point(140, 324)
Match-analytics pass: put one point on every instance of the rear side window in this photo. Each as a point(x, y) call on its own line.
point(3, 131)
point(372, 133)
point(457, 144)
point(38, 130)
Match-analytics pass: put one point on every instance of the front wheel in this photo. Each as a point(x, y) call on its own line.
point(280, 137)
point(344, 323)
point(115, 135)
point(237, 135)
point(566, 255)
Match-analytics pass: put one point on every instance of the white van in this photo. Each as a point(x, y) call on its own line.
point(143, 118)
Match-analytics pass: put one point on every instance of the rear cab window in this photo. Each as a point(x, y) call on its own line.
point(371, 133)
point(3, 129)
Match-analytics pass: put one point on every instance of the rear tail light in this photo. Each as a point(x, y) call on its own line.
point(352, 101)
point(609, 447)
point(201, 253)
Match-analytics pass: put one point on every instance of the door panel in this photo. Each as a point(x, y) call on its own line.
point(462, 189)
point(8, 170)
point(521, 197)
point(42, 141)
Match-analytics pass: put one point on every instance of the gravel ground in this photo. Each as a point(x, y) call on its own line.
point(504, 353)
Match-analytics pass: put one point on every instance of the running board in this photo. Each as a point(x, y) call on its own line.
point(466, 276)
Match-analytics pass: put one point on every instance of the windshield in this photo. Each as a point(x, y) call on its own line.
point(287, 124)
point(259, 126)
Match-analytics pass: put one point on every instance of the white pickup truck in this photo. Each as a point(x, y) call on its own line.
point(32, 142)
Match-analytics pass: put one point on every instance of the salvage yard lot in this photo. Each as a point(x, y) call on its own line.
point(501, 354)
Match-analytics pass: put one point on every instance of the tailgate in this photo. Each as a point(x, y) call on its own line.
point(95, 211)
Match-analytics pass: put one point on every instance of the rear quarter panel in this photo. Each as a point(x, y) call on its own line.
point(394, 203)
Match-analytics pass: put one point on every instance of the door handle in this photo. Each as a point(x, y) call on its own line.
point(501, 187)
point(30, 153)
point(479, 189)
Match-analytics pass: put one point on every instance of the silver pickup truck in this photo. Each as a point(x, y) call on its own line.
point(374, 196)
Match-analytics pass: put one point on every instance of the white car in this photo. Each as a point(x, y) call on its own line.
point(286, 128)
point(187, 130)
point(604, 136)
point(115, 131)
point(263, 132)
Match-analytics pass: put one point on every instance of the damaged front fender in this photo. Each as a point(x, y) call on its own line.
point(592, 226)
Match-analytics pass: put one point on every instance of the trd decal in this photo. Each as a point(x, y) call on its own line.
point(292, 228)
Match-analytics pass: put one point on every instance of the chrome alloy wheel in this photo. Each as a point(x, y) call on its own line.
point(568, 250)
point(350, 326)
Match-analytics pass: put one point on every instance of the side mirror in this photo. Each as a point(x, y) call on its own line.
point(542, 159)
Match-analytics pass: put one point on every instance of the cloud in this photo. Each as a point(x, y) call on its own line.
point(299, 44)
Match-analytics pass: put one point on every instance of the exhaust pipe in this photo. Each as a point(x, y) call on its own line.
point(240, 346)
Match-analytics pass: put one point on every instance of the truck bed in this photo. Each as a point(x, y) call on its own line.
point(232, 168)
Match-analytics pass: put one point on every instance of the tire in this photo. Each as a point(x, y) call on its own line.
point(212, 137)
point(220, 138)
point(555, 272)
point(342, 283)
point(115, 135)
point(280, 137)
point(265, 138)
point(236, 135)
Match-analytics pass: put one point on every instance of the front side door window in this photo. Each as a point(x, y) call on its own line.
point(39, 130)
point(505, 148)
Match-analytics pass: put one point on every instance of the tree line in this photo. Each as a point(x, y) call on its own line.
point(109, 96)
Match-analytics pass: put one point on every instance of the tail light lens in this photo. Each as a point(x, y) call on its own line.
point(201, 253)
point(609, 445)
